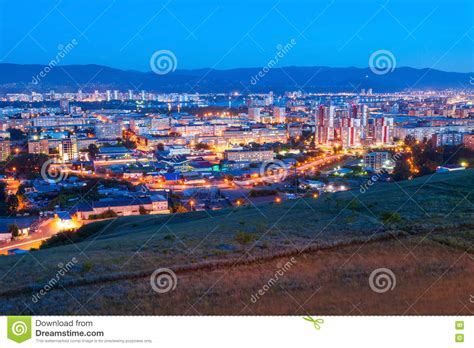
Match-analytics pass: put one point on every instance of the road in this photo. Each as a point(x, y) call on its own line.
point(291, 172)
point(34, 240)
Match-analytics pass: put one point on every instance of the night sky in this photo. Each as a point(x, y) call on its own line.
point(229, 34)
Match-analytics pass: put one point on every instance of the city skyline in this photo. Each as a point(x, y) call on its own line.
point(333, 33)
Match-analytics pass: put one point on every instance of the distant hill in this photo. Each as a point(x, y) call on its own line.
point(18, 78)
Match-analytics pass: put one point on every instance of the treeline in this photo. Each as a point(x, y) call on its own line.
point(423, 158)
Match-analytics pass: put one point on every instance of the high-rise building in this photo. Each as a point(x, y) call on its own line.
point(279, 114)
point(68, 150)
point(38, 146)
point(4, 149)
point(108, 130)
point(383, 131)
point(64, 106)
point(378, 160)
point(254, 114)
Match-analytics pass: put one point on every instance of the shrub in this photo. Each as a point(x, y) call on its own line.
point(14, 230)
point(142, 210)
point(244, 238)
point(105, 215)
point(390, 218)
point(87, 266)
point(169, 238)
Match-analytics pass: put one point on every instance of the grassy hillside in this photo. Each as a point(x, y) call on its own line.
point(438, 210)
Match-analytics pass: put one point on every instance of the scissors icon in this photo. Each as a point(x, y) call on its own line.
point(316, 322)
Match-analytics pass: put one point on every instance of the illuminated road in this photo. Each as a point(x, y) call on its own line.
point(290, 172)
point(34, 240)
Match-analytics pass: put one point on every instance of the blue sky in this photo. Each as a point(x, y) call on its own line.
point(228, 34)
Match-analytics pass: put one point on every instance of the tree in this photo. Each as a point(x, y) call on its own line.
point(27, 164)
point(14, 230)
point(410, 140)
point(142, 210)
point(130, 144)
point(179, 208)
point(16, 134)
point(3, 198)
point(202, 146)
point(13, 204)
point(401, 170)
point(93, 150)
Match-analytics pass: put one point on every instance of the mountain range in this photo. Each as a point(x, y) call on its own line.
point(70, 78)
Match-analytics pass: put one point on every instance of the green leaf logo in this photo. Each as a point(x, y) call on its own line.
point(19, 328)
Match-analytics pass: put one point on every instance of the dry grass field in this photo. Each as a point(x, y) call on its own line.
point(421, 230)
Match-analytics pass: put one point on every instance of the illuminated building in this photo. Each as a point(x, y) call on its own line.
point(110, 131)
point(68, 149)
point(376, 161)
point(251, 156)
point(4, 149)
point(469, 141)
point(279, 114)
point(38, 146)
